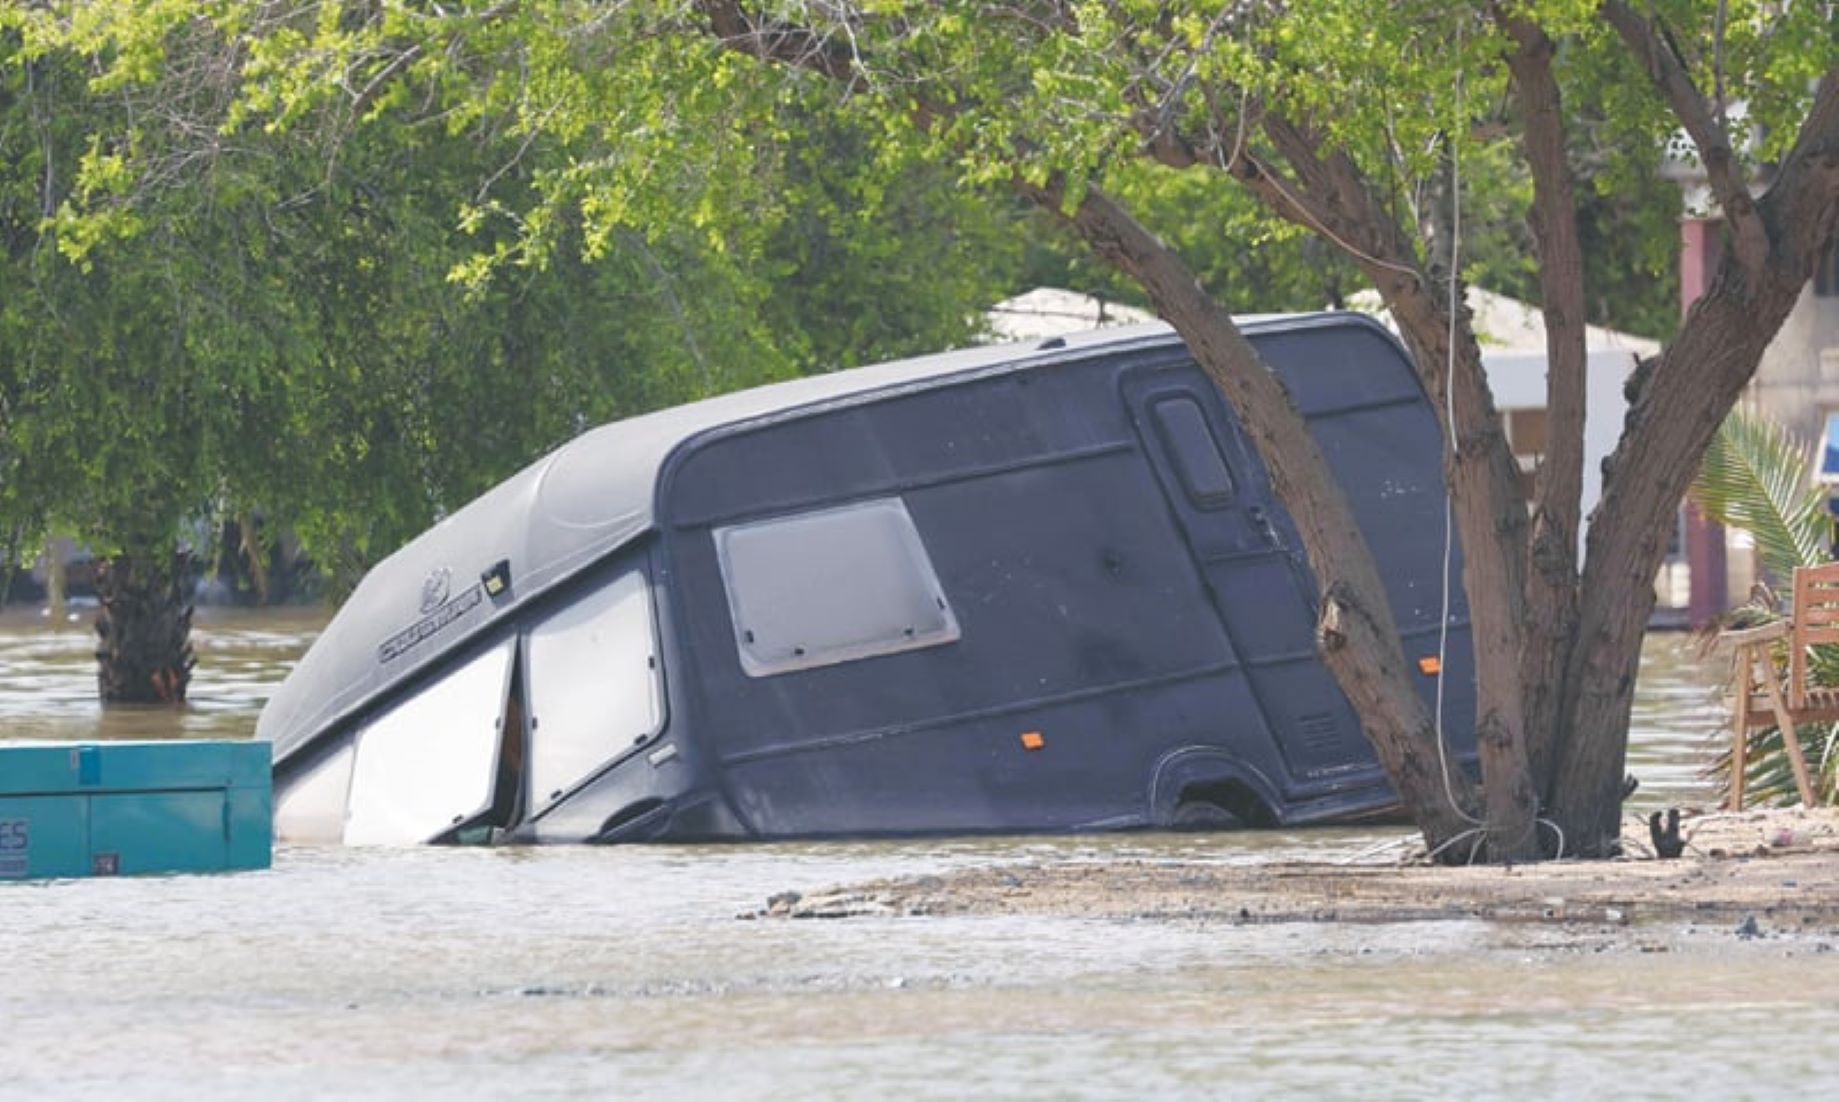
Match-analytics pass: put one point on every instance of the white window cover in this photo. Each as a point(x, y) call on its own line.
point(314, 808)
point(430, 762)
point(594, 685)
point(831, 586)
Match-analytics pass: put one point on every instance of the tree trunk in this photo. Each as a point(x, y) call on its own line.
point(1490, 517)
point(1487, 509)
point(57, 577)
point(1552, 575)
point(144, 650)
point(250, 545)
point(1676, 404)
point(1669, 427)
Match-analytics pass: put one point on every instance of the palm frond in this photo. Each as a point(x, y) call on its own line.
point(1755, 478)
point(1768, 776)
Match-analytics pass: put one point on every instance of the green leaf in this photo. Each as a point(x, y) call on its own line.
point(1755, 477)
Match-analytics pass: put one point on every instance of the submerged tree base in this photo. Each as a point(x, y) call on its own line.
point(1776, 868)
point(143, 645)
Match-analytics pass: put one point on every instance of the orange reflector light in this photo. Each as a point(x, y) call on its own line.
point(1032, 740)
point(1431, 665)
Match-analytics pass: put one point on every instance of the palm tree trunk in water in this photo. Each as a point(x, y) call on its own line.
point(252, 551)
point(144, 649)
point(57, 588)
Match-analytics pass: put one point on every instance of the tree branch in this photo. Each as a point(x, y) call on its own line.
point(1482, 476)
point(1358, 638)
point(1818, 138)
point(1551, 584)
point(786, 44)
point(365, 96)
point(1700, 118)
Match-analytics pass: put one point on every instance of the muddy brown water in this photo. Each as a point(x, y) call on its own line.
point(410, 973)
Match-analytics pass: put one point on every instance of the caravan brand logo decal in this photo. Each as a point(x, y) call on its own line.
point(435, 589)
point(398, 644)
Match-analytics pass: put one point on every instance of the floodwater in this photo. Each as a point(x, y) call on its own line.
point(539, 973)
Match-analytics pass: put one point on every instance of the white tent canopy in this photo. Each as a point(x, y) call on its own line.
point(1513, 354)
point(1051, 312)
point(1502, 324)
point(1505, 324)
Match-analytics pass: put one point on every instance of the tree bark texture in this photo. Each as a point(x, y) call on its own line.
point(143, 649)
point(1327, 189)
point(1670, 425)
point(1490, 517)
point(1676, 404)
point(1552, 576)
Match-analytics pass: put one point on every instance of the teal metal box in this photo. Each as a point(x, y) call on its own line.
point(125, 808)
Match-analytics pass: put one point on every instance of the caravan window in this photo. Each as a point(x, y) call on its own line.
point(831, 586)
point(1195, 450)
point(594, 684)
point(429, 763)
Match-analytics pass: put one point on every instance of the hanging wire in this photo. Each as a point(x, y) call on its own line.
point(1449, 413)
point(1449, 533)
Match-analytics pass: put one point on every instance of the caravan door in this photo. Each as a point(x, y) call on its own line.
point(1246, 551)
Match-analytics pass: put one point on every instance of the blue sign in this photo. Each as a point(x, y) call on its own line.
point(1829, 450)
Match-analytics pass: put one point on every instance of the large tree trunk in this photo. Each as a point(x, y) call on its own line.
point(1670, 424)
point(1552, 576)
point(1487, 510)
point(1676, 404)
point(1490, 517)
point(144, 649)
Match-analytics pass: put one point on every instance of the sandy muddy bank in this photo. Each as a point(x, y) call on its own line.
point(1779, 869)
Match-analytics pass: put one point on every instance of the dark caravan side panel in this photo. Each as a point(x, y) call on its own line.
point(1255, 575)
point(1077, 648)
point(1382, 438)
point(1365, 408)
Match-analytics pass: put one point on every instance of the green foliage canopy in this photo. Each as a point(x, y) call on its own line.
point(223, 292)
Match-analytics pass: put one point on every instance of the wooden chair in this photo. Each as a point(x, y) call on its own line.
point(1760, 701)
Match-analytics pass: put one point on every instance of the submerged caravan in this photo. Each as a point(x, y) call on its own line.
point(1031, 587)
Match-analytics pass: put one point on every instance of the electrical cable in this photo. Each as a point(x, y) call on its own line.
point(1449, 413)
point(1449, 532)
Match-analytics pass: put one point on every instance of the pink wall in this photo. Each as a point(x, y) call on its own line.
point(1701, 244)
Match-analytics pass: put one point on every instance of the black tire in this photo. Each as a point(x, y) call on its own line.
point(1204, 815)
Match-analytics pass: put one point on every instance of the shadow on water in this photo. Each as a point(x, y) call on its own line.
point(388, 973)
